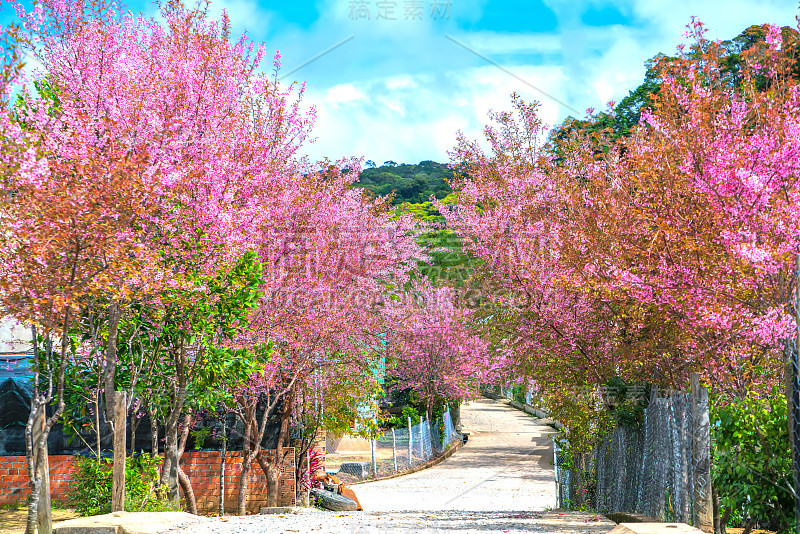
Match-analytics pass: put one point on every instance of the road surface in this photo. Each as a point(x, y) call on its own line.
point(505, 465)
point(501, 482)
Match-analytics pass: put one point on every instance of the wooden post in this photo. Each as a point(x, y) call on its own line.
point(44, 518)
point(118, 481)
point(701, 457)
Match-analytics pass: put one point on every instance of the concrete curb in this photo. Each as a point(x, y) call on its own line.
point(655, 528)
point(126, 523)
point(430, 463)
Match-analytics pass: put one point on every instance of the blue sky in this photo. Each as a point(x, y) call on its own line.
point(408, 74)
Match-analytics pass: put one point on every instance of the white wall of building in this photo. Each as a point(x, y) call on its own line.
point(14, 337)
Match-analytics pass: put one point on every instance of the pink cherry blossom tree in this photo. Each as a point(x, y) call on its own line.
point(435, 352)
point(170, 118)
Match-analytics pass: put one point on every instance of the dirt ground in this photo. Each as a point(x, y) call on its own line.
point(12, 521)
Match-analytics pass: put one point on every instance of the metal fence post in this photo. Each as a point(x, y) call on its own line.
point(394, 450)
point(555, 472)
point(793, 409)
point(421, 438)
point(701, 457)
point(374, 465)
point(793, 406)
point(410, 443)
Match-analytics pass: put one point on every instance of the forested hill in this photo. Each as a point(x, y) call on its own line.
point(411, 183)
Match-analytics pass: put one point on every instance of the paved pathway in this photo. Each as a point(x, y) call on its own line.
point(501, 482)
point(505, 465)
point(312, 521)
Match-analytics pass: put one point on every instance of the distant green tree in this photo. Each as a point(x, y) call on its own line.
point(414, 184)
point(626, 114)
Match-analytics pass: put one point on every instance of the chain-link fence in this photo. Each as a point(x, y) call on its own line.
point(658, 468)
point(794, 408)
point(396, 450)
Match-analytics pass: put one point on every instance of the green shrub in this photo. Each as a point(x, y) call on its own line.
point(92, 486)
point(401, 421)
point(752, 468)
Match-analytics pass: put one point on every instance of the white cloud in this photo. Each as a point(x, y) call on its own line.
point(400, 82)
point(512, 43)
point(344, 93)
point(419, 119)
point(400, 90)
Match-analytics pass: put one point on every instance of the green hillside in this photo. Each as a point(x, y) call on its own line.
point(410, 183)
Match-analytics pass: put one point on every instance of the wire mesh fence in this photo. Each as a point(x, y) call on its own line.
point(658, 468)
point(397, 450)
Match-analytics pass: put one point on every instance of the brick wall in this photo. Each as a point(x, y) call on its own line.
point(14, 485)
point(202, 467)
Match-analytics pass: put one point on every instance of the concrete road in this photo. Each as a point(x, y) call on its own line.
point(499, 482)
point(505, 465)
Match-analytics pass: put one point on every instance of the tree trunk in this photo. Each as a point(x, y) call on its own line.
point(134, 425)
point(719, 528)
point(455, 415)
point(151, 412)
point(723, 521)
point(39, 500)
point(302, 447)
point(247, 458)
point(429, 410)
point(272, 469)
point(183, 479)
point(272, 473)
point(97, 422)
point(32, 442)
point(36, 452)
point(188, 492)
point(169, 473)
point(273, 484)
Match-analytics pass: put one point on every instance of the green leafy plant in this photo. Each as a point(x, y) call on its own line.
point(401, 421)
point(92, 486)
point(752, 467)
point(582, 467)
point(199, 437)
point(518, 393)
point(630, 413)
